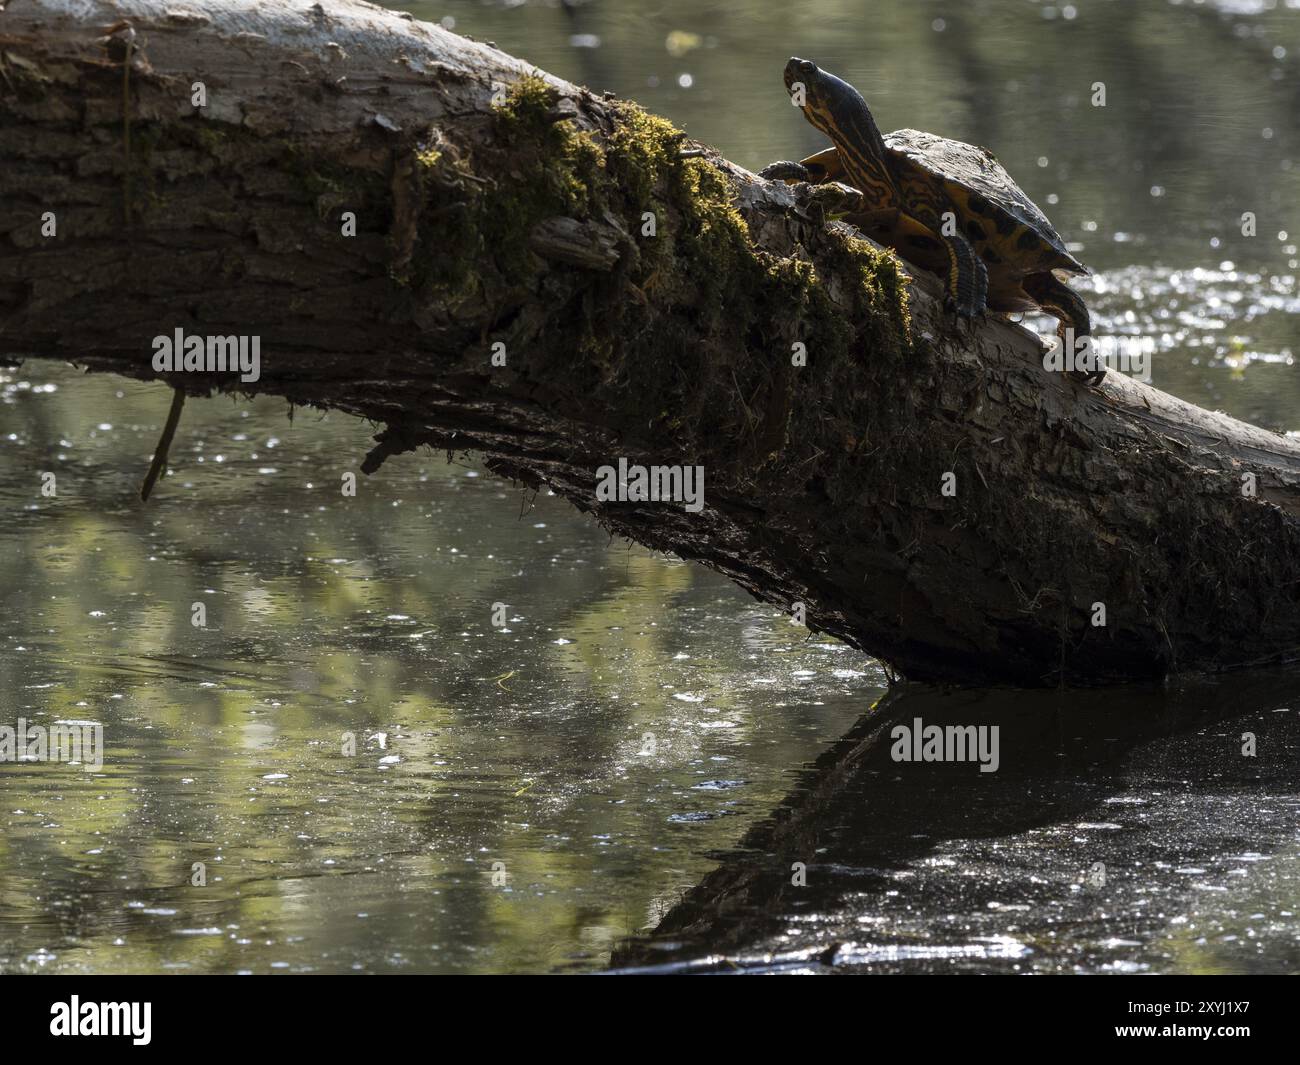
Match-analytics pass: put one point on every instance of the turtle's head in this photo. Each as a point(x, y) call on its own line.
point(831, 104)
point(837, 109)
point(818, 89)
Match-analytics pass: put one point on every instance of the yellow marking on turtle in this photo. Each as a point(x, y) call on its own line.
point(865, 174)
point(825, 166)
point(1018, 248)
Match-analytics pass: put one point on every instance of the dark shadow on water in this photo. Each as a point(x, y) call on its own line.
point(1123, 831)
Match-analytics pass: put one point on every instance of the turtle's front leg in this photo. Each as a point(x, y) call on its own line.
point(968, 278)
point(786, 170)
point(831, 199)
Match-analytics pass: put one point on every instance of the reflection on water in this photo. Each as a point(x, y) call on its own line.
point(1121, 833)
point(631, 716)
point(634, 718)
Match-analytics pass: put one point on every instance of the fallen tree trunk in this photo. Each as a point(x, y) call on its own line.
point(556, 280)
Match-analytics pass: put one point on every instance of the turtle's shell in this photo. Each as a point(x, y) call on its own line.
point(980, 187)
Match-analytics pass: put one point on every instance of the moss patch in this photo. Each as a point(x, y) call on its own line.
point(711, 316)
point(688, 341)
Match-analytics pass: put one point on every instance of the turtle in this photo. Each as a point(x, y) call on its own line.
point(946, 206)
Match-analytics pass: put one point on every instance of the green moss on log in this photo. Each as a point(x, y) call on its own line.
point(688, 341)
point(692, 314)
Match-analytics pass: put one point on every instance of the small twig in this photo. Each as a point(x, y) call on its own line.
point(164, 444)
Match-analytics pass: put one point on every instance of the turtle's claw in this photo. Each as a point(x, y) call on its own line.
point(785, 170)
point(964, 310)
point(1091, 367)
point(832, 197)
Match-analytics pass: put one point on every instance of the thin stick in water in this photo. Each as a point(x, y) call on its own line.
point(164, 443)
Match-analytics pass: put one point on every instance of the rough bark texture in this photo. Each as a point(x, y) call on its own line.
point(497, 204)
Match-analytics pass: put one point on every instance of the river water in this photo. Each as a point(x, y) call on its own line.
point(350, 768)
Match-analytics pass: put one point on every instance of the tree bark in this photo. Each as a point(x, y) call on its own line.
point(496, 205)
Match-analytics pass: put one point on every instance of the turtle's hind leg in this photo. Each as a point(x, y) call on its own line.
point(1067, 306)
